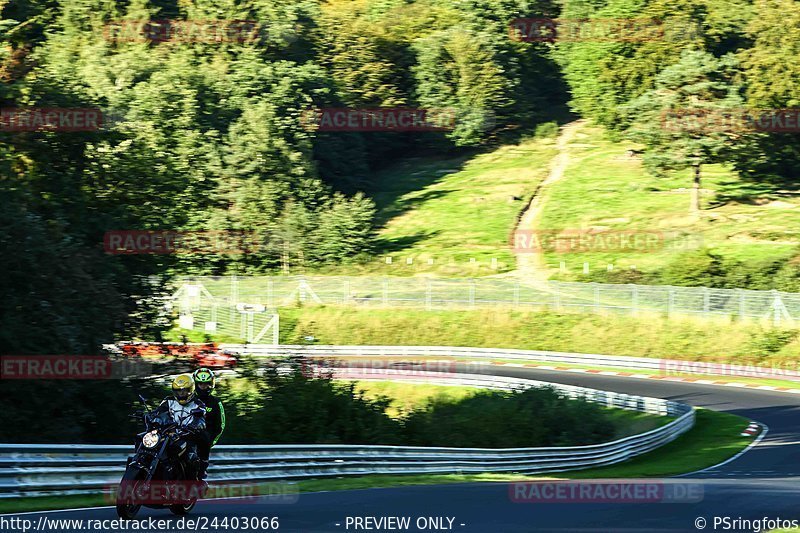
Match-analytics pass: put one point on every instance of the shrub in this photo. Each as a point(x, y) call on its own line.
point(492, 419)
point(546, 130)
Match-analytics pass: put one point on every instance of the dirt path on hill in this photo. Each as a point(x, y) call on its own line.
point(531, 265)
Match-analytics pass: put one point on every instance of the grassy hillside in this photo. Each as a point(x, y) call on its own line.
point(453, 216)
point(607, 190)
point(442, 213)
point(650, 337)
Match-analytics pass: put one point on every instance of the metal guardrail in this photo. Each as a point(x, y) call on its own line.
point(656, 365)
point(41, 469)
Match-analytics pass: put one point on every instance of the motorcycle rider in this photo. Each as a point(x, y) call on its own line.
point(215, 414)
point(189, 413)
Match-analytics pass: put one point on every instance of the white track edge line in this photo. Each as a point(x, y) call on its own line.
point(731, 459)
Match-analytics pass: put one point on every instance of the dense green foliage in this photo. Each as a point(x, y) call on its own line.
point(707, 55)
point(535, 417)
point(273, 407)
point(705, 268)
point(204, 135)
point(211, 135)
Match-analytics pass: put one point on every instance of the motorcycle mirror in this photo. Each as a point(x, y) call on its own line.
point(141, 399)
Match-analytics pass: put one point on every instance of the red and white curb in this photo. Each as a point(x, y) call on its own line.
point(755, 442)
point(751, 430)
point(698, 381)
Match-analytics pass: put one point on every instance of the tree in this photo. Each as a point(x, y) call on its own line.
point(672, 120)
point(770, 65)
point(772, 79)
point(459, 69)
point(605, 73)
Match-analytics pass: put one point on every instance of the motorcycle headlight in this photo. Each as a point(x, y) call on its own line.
point(150, 439)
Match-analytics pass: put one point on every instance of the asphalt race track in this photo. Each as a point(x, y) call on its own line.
point(762, 483)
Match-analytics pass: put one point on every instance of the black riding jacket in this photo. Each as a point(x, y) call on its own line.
point(215, 417)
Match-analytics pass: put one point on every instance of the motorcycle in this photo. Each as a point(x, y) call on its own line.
point(160, 466)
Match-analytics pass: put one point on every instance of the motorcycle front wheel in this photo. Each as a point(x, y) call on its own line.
point(184, 508)
point(126, 508)
point(181, 509)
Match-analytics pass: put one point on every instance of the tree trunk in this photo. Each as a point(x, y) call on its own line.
point(695, 197)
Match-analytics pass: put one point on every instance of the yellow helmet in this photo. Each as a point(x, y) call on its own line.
point(183, 388)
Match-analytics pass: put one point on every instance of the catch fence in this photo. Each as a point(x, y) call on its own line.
point(244, 306)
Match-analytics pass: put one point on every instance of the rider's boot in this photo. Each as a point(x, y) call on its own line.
point(202, 473)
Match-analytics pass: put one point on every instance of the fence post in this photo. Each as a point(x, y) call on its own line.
point(234, 297)
point(472, 292)
point(742, 304)
point(428, 294)
point(251, 317)
point(779, 311)
point(557, 296)
point(671, 301)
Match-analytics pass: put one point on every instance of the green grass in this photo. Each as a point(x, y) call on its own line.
point(501, 328)
point(451, 211)
point(409, 396)
point(714, 439)
point(629, 423)
point(604, 189)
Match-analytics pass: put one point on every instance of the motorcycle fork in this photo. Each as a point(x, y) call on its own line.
point(151, 470)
